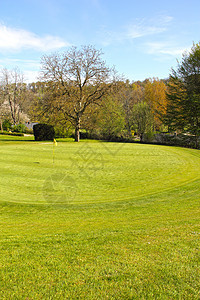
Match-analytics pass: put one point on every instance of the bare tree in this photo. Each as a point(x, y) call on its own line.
point(76, 79)
point(1, 112)
point(11, 90)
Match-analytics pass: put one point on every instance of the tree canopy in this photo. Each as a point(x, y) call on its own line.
point(77, 79)
point(183, 110)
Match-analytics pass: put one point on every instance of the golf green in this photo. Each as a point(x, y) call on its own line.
point(88, 172)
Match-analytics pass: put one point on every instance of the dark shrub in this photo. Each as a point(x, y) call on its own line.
point(181, 140)
point(6, 125)
point(43, 132)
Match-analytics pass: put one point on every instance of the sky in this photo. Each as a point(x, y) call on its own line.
point(142, 39)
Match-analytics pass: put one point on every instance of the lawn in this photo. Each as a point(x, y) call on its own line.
point(98, 220)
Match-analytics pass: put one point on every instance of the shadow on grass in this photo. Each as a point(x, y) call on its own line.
point(16, 139)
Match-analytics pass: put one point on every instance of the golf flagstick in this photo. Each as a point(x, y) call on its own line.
point(54, 145)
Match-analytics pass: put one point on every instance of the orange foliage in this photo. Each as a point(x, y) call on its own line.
point(155, 96)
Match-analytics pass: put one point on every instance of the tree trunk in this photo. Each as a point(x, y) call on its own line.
point(141, 137)
point(77, 129)
point(196, 141)
point(1, 126)
point(12, 110)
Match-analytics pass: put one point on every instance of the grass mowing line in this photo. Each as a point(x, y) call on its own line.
point(124, 199)
point(150, 194)
point(107, 201)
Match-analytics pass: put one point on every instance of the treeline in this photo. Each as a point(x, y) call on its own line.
point(128, 109)
point(80, 95)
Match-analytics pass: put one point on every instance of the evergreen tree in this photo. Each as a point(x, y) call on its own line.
point(183, 95)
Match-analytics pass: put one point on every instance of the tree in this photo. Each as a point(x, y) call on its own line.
point(76, 80)
point(142, 118)
point(12, 90)
point(183, 111)
point(35, 94)
point(111, 118)
point(1, 111)
point(129, 94)
point(155, 96)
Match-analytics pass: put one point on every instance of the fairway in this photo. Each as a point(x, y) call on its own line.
point(97, 220)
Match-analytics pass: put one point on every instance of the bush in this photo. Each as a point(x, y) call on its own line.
point(6, 125)
point(182, 140)
point(29, 131)
point(148, 137)
point(19, 128)
point(62, 132)
point(43, 132)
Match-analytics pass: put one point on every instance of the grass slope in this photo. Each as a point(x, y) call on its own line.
point(105, 220)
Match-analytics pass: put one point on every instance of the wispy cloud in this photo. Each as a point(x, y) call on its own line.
point(165, 48)
point(28, 63)
point(137, 29)
point(146, 27)
point(13, 39)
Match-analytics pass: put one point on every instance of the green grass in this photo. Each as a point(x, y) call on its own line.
point(103, 221)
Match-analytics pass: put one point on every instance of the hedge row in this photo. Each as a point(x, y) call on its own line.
point(181, 140)
point(11, 133)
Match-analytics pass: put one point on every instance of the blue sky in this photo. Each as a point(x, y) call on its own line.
point(141, 39)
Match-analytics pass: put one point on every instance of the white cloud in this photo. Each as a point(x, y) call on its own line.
point(28, 63)
point(137, 29)
point(146, 27)
point(12, 39)
point(164, 48)
point(140, 30)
